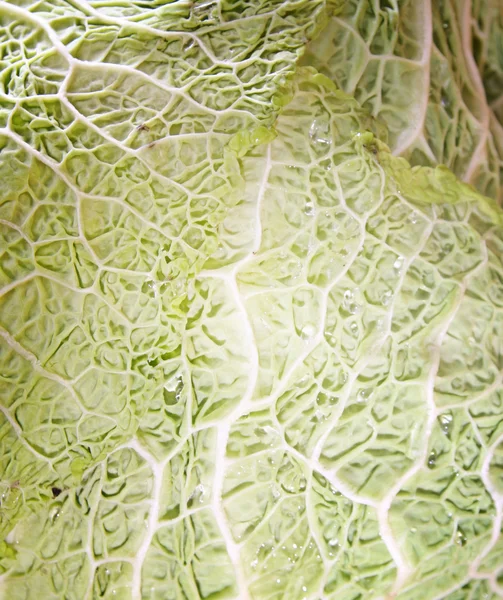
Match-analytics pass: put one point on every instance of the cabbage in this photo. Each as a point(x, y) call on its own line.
point(251, 315)
point(432, 71)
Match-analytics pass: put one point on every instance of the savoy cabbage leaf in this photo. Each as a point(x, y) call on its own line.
point(248, 350)
point(423, 67)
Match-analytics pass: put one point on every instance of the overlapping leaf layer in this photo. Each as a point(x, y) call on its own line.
point(246, 351)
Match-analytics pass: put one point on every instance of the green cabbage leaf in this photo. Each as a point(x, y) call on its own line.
point(251, 304)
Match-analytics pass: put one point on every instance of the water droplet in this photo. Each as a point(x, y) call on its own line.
point(380, 325)
point(413, 530)
point(275, 492)
point(354, 328)
point(334, 542)
point(432, 459)
point(278, 580)
point(304, 588)
point(364, 395)
point(398, 264)
point(349, 303)
point(319, 133)
point(154, 287)
point(309, 209)
point(330, 337)
point(386, 298)
point(308, 332)
point(254, 564)
point(304, 380)
point(201, 491)
point(445, 423)
point(460, 538)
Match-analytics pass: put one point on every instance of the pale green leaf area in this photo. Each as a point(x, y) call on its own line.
point(251, 310)
point(432, 70)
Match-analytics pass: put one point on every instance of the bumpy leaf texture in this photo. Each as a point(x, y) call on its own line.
point(246, 349)
point(432, 70)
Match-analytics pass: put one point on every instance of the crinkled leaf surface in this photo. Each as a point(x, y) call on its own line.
point(245, 351)
point(424, 67)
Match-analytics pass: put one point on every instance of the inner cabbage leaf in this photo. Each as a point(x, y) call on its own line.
point(246, 351)
point(431, 70)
